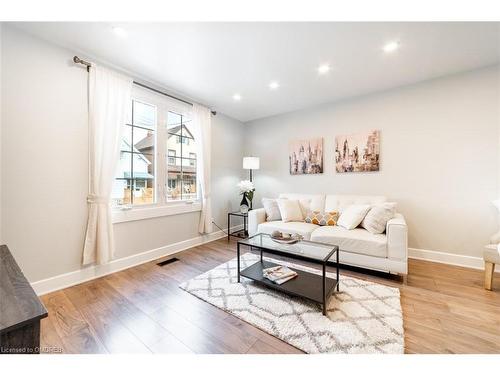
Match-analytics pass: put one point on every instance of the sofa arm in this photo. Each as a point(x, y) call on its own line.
point(255, 217)
point(397, 238)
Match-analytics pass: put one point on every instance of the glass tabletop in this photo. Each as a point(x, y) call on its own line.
point(304, 249)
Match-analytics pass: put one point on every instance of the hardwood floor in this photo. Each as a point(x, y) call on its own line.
point(142, 310)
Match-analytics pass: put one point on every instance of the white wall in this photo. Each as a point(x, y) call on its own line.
point(439, 156)
point(44, 170)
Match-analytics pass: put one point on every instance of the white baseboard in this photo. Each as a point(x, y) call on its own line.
point(448, 258)
point(92, 272)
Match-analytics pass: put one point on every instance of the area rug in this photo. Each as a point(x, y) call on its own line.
point(364, 317)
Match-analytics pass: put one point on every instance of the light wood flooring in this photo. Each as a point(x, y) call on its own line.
point(142, 310)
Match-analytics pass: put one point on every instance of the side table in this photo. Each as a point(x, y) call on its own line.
point(241, 233)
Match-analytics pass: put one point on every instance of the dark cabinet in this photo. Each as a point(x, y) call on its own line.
point(20, 309)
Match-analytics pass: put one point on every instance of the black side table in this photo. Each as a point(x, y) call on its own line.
point(242, 233)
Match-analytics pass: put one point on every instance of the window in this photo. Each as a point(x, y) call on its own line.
point(192, 159)
point(135, 179)
point(182, 182)
point(171, 157)
point(157, 154)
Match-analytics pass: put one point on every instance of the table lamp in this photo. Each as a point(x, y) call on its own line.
point(251, 163)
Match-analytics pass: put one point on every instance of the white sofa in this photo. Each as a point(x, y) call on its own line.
point(386, 252)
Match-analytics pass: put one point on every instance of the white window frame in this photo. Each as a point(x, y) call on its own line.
point(162, 206)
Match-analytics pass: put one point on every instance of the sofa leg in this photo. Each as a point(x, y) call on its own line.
point(489, 269)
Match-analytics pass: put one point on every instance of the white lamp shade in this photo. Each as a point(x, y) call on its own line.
point(251, 162)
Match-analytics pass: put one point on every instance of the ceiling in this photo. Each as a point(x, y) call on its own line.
point(210, 62)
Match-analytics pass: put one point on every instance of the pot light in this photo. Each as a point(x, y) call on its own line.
point(391, 46)
point(274, 85)
point(323, 69)
point(119, 31)
point(237, 97)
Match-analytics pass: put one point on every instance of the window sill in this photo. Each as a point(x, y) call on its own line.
point(141, 213)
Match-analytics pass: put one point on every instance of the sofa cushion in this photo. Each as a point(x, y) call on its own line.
point(304, 229)
point(357, 240)
point(322, 218)
point(290, 210)
point(308, 202)
point(272, 209)
point(376, 219)
point(353, 215)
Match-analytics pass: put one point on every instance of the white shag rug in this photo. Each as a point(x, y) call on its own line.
point(364, 317)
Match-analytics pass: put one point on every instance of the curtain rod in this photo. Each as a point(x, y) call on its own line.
point(78, 60)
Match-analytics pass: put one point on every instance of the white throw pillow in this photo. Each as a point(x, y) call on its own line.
point(376, 219)
point(290, 210)
point(353, 215)
point(272, 209)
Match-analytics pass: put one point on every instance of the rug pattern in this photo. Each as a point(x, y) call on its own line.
point(364, 317)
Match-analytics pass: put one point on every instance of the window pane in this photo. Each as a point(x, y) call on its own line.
point(173, 143)
point(189, 186)
point(144, 166)
point(188, 141)
point(144, 140)
point(124, 165)
point(174, 186)
point(181, 159)
point(126, 138)
point(144, 115)
point(174, 121)
point(143, 191)
point(120, 195)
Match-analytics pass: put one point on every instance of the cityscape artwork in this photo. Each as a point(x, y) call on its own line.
point(358, 152)
point(306, 156)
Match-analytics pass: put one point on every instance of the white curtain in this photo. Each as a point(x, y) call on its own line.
point(109, 103)
point(202, 119)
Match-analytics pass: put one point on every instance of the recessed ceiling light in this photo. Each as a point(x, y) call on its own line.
point(391, 46)
point(274, 85)
point(119, 31)
point(323, 69)
point(237, 97)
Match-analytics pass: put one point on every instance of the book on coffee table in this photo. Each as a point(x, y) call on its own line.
point(279, 274)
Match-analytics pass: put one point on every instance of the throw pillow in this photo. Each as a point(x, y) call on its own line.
point(290, 210)
point(376, 219)
point(353, 215)
point(322, 218)
point(272, 209)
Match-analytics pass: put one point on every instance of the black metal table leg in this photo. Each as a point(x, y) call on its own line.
point(228, 226)
point(338, 279)
point(238, 247)
point(324, 288)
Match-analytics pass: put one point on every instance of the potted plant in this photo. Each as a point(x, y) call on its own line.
point(246, 190)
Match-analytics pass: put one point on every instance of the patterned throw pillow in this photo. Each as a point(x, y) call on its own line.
point(322, 218)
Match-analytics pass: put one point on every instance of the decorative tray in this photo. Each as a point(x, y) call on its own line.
point(286, 241)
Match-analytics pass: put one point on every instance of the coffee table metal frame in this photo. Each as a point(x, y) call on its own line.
point(306, 285)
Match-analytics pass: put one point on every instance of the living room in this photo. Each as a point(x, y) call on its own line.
point(250, 188)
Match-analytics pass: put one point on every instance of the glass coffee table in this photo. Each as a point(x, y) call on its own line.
point(317, 288)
